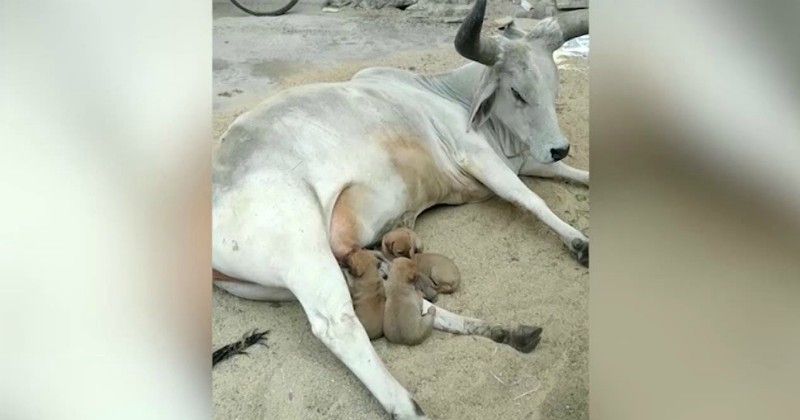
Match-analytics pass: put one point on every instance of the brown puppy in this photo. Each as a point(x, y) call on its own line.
point(403, 321)
point(425, 286)
point(440, 270)
point(367, 291)
point(401, 242)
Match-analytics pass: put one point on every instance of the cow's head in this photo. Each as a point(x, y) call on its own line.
point(520, 83)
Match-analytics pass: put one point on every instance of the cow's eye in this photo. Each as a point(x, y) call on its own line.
point(517, 96)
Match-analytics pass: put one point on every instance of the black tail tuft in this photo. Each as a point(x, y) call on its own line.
point(230, 350)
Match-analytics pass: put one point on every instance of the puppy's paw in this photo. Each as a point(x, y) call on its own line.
point(580, 250)
point(430, 294)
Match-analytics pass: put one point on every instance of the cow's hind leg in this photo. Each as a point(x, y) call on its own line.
point(255, 291)
point(250, 290)
point(282, 241)
point(317, 282)
point(524, 338)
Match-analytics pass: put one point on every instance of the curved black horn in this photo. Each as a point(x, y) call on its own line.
point(468, 39)
point(557, 30)
point(573, 24)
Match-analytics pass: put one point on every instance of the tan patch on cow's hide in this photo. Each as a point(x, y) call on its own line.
point(345, 225)
point(426, 183)
point(218, 276)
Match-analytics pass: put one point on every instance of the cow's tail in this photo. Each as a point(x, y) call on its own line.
point(229, 350)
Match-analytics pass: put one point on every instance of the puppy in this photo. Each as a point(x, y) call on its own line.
point(401, 242)
point(403, 321)
point(369, 297)
point(426, 288)
point(441, 271)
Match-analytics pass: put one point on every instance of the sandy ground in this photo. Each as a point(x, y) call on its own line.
point(515, 270)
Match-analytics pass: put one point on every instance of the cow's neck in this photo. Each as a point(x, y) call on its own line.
point(459, 86)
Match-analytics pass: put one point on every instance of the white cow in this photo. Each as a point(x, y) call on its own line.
point(318, 171)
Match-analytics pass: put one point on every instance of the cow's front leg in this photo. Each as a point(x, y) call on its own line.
point(489, 169)
point(558, 169)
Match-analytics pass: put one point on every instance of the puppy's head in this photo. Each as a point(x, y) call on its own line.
point(402, 242)
point(360, 261)
point(404, 270)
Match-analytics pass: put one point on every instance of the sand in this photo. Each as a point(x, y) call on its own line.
point(514, 269)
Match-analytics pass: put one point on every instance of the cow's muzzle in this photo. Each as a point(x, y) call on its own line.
point(559, 153)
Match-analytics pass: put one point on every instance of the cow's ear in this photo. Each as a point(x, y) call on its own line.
point(484, 98)
point(511, 31)
point(548, 31)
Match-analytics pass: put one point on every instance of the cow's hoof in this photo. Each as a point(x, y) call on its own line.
point(525, 338)
point(580, 249)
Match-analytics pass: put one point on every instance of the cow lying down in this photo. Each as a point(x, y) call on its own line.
point(319, 171)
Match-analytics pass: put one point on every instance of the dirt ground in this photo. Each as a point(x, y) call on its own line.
point(514, 269)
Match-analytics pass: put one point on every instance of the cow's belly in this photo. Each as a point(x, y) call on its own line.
point(363, 212)
point(361, 215)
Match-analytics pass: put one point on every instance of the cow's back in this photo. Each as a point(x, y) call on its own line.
point(315, 128)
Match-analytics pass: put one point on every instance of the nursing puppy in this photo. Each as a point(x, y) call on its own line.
point(367, 291)
point(441, 271)
point(401, 242)
point(403, 321)
point(424, 284)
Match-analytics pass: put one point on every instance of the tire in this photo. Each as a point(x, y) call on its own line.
point(276, 12)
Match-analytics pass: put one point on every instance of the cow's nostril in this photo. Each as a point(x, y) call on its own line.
point(559, 153)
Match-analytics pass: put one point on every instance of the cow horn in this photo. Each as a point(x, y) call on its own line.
point(468, 39)
point(573, 24)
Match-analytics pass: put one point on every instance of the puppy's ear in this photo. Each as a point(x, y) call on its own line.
point(401, 248)
point(386, 247)
point(412, 246)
